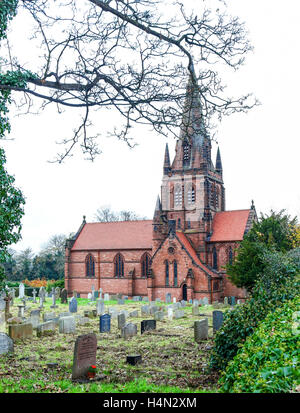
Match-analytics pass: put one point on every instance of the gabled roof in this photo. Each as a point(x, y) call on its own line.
point(115, 236)
point(229, 225)
point(188, 247)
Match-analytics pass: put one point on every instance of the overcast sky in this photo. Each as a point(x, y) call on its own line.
point(259, 150)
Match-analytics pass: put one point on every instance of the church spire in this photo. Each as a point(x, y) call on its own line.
point(157, 210)
point(219, 168)
point(166, 160)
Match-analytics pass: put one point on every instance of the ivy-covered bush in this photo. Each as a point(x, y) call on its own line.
point(269, 360)
point(278, 284)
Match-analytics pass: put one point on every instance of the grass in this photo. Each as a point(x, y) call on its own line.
point(172, 362)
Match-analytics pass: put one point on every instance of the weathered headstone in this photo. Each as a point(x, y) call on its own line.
point(145, 310)
point(89, 296)
point(35, 318)
point(170, 313)
point(147, 325)
point(217, 320)
point(6, 344)
point(84, 354)
point(73, 305)
point(64, 296)
point(34, 292)
point(21, 290)
point(106, 297)
point(49, 316)
point(129, 330)
point(153, 310)
point(205, 301)
point(121, 301)
point(178, 314)
point(196, 302)
point(174, 299)
point(21, 310)
point(134, 313)
point(183, 303)
point(100, 307)
point(159, 315)
point(20, 331)
point(53, 299)
point(46, 329)
point(57, 293)
point(105, 323)
point(64, 314)
point(121, 320)
point(195, 310)
point(67, 325)
point(201, 330)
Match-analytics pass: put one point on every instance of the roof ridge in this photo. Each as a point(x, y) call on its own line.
point(120, 222)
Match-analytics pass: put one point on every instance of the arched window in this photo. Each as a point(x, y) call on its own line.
point(189, 224)
point(167, 272)
point(215, 259)
point(230, 256)
point(178, 195)
point(145, 262)
point(191, 194)
point(175, 274)
point(89, 266)
point(119, 265)
point(179, 223)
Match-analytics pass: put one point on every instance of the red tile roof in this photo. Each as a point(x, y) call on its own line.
point(115, 236)
point(229, 225)
point(185, 242)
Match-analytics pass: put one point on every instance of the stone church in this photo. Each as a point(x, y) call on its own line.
point(184, 249)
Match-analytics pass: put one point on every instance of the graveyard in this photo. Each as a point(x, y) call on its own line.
point(137, 346)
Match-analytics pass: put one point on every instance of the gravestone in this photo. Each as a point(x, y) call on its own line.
point(35, 318)
point(84, 354)
point(159, 315)
point(147, 325)
point(49, 316)
point(21, 290)
point(134, 313)
point(2, 304)
point(183, 303)
point(89, 296)
point(146, 299)
point(100, 307)
point(106, 297)
point(42, 296)
point(64, 314)
point(217, 320)
point(205, 301)
point(129, 330)
point(170, 313)
point(121, 301)
point(178, 314)
point(201, 330)
point(232, 301)
point(67, 325)
point(73, 305)
point(168, 298)
point(2, 318)
point(157, 300)
point(121, 321)
point(6, 344)
point(21, 310)
point(20, 331)
point(196, 302)
point(174, 299)
point(53, 299)
point(105, 323)
point(57, 293)
point(153, 310)
point(133, 360)
point(46, 329)
point(195, 310)
point(64, 296)
point(34, 296)
point(81, 321)
point(100, 293)
point(145, 310)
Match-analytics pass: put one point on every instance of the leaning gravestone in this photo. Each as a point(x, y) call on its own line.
point(147, 325)
point(201, 330)
point(6, 344)
point(129, 330)
point(105, 323)
point(67, 325)
point(84, 354)
point(217, 320)
point(73, 305)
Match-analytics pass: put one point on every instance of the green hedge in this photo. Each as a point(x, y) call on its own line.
point(269, 360)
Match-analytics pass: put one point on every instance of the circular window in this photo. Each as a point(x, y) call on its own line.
point(171, 250)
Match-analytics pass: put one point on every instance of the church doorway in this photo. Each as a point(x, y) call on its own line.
point(184, 292)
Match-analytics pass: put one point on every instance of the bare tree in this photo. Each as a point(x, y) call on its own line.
point(132, 56)
point(106, 214)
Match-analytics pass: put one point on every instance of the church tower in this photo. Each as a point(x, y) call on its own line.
point(192, 188)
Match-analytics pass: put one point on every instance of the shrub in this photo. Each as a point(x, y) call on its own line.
point(278, 284)
point(268, 362)
point(54, 283)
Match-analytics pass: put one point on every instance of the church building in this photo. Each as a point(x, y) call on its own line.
point(184, 249)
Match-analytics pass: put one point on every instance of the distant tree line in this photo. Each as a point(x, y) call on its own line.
point(48, 263)
point(106, 214)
